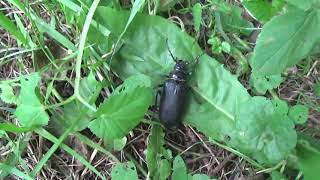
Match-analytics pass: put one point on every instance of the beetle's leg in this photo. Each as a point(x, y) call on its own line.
point(175, 59)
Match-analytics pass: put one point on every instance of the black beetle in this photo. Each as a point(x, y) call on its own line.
point(174, 94)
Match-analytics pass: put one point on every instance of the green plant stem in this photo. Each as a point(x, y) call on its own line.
point(273, 94)
point(46, 157)
point(269, 170)
point(82, 42)
point(96, 146)
point(42, 132)
point(254, 163)
point(70, 99)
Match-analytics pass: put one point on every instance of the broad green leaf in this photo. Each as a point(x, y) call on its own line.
point(232, 20)
point(158, 166)
point(284, 41)
point(30, 111)
point(139, 80)
point(7, 95)
point(119, 144)
point(197, 16)
point(308, 160)
point(12, 29)
point(299, 114)
point(90, 88)
point(201, 177)
point(164, 169)
point(263, 10)
point(280, 106)
point(165, 5)
point(306, 4)
point(120, 113)
point(124, 171)
point(262, 84)
point(262, 132)
point(75, 111)
point(179, 169)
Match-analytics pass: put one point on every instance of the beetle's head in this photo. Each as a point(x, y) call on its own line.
point(180, 66)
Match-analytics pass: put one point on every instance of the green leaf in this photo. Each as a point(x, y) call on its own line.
point(179, 169)
point(232, 20)
point(262, 132)
point(120, 113)
point(138, 80)
point(284, 41)
point(30, 111)
point(221, 95)
point(225, 46)
point(215, 43)
point(165, 5)
point(124, 171)
point(90, 88)
point(263, 10)
point(164, 169)
point(308, 160)
point(197, 16)
point(119, 144)
point(262, 84)
point(306, 4)
point(299, 114)
point(201, 177)
point(7, 94)
point(46, 28)
point(280, 107)
point(12, 29)
point(75, 111)
point(158, 166)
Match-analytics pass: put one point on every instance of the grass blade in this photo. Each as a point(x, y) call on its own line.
point(82, 44)
point(13, 128)
point(14, 171)
point(46, 157)
point(12, 28)
point(42, 132)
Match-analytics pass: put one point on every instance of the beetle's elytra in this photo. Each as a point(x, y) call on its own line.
point(174, 95)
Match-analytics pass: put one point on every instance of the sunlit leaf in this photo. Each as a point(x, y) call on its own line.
point(6, 94)
point(284, 41)
point(308, 160)
point(197, 16)
point(299, 114)
point(30, 111)
point(120, 113)
point(262, 84)
point(263, 132)
point(124, 171)
point(158, 166)
point(263, 10)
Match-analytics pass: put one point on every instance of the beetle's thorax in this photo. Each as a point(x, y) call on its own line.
point(180, 71)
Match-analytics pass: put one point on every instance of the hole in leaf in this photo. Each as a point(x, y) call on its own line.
point(227, 138)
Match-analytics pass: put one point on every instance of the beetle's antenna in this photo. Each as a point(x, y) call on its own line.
point(198, 57)
point(175, 59)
